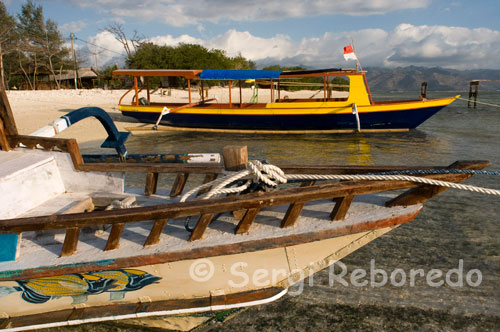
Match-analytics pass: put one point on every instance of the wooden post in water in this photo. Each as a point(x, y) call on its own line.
point(423, 91)
point(473, 93)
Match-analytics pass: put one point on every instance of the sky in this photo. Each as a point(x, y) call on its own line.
point(456, 34)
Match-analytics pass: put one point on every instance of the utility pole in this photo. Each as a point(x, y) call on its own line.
point(72, 35)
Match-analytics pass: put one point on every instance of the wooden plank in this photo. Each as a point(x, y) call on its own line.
point(292, 169)
point(424, 192)
point(179, 183)
point(114, 236)
point(151, 183)
point(294, 210)
point(246, 221)
point(201, 226)
point(341, 207)
point(210, 251)
point(85, 205)
point(4, 143)
point(148, 167)
point(6, 113)
point(216, 205)
point(208, 178)
point(292, 214)
point(71, 146)
point(70, 241)
point(154, 235)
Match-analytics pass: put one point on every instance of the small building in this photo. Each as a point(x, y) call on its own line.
point(85, 76)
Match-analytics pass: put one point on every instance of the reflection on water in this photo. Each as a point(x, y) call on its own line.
point(363, 149)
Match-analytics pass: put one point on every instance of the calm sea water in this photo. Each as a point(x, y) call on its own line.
point(454, 226)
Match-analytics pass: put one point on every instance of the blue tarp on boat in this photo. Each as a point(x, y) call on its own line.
point(225, 74)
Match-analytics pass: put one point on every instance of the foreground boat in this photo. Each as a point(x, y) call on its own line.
point(343, 103)
point(78, 246)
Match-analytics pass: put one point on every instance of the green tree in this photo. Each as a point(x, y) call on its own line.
point(40, 42)
point(7, 37)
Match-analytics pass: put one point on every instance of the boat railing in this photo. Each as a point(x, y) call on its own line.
point(341, 194)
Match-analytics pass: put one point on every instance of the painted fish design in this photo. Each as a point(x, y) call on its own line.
point(126, 280)
point(79, 286)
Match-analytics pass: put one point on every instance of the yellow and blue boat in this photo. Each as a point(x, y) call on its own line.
point(349, 107)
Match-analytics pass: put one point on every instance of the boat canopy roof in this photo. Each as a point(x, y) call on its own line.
point(229, 74)
point(224, 74)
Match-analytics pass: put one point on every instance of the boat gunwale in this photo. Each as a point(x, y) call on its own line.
point(214, 250)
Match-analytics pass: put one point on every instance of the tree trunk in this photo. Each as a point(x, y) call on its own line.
point(25, 73)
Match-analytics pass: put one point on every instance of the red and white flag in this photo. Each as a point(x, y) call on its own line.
point(349, 53)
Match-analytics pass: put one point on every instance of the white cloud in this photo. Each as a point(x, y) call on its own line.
point(104, 49)
point(74, 27)
point(451, 47)
point(181, 12)
point(170, 40)
point(252, 47)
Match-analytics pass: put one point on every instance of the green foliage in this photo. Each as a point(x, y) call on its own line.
point(184, 56)
point(107, 81)
point(30, 45)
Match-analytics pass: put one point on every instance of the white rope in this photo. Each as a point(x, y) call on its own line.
point(478, 102)
point(398, 178)
point(273, 175)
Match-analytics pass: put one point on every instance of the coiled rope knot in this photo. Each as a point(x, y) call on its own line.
point(269, 174)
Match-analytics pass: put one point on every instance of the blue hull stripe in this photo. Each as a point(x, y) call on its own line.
point(405, 119)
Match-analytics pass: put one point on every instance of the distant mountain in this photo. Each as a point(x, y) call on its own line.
point(438, 79)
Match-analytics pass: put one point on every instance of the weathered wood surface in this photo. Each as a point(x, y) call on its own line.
point(70, 241)
point(6, 113)
point(50, 143)
point(235, 157)
point(216, 250)
point(154, 235)
point(151, 183)
point(208, 178)
point(216, 169)
point(341, 207)
point(201, 226)
point(4, 143)
point(246, 221)
point(114, 237)
point(212, 206)
point(294, 210)
point(179, 183)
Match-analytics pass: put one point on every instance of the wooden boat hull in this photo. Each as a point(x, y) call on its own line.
point(270, 272)
point(280, 116)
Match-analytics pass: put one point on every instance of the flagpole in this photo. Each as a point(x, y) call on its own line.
point(358, 64)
